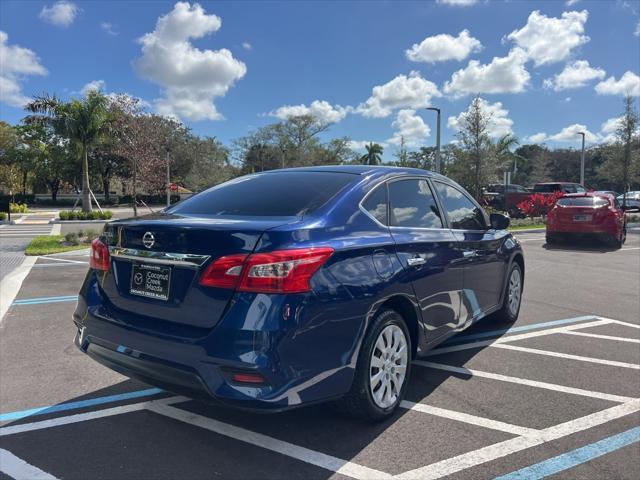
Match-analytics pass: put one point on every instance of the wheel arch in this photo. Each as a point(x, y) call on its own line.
point(407, 309)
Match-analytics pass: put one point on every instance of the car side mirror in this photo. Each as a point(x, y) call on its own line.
point(499, 221)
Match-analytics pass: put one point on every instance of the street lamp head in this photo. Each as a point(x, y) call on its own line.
point(434, 109)
point(581, 133)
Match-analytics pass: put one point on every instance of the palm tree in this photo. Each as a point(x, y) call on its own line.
point(373, 155)
point(81, 121)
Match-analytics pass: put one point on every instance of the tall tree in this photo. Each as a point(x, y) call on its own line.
point(474, 139)
point(81, 121)
point(373, 155)
point(626, 131)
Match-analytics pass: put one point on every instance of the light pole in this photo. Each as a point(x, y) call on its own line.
point(284, 152)
point(582, 161)
point(437, 110)
point(168, 181)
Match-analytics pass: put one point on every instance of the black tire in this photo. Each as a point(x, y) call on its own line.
point(359, 402)
point(506, 313)
point(618, 242)
point(552, 239)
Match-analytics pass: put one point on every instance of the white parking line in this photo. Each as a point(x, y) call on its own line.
point(19, 469)
point(524, 381)
point(620, 322)
point(515, 338)
point(466, 418)
point(328, 462)
point(603, 337)
point(502, 449)
point(567, 356)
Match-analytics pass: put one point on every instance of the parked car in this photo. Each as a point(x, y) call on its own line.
point(295, 286)
point(551, 187)
point(587, 213)
point(495, 197)
point(632, 202)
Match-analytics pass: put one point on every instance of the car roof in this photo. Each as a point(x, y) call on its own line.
point(365, 170)
point(557, 183)
point(587, 194)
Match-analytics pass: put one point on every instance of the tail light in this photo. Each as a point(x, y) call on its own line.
point(100, 258)
point(281, 271)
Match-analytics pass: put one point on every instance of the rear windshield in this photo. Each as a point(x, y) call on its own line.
point(546, 187)
point(583, 201)
point(280, 194)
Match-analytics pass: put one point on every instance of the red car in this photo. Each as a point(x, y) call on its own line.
point(587, 213)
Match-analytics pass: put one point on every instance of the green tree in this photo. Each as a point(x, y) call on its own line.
point(627, 133)
point(475, 141)
point(83, 122)
point(373, 155)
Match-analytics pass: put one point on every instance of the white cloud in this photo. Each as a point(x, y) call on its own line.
point(410, 128)
point(636, 32)
point(94, 85)
point(499, 122)
point(567, 135)
point(569, 3)
point(549, 40)
point(608, 129)
point(61, 14)
point(109, 28)
point(574, 75)
point(247, 46)
point(502, 75)
point(411, 91)
point(444, 47)
point(629, 84)
point(321, 109)
point(361, 144)
point(457, 3)
point(191, 78)
point(16, 63)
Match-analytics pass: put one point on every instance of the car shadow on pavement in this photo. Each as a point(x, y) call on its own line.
point(581, 245)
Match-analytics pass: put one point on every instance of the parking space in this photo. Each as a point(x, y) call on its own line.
point(555, 394)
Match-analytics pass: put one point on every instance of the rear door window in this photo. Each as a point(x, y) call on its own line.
point(268, 194)
point(412, 204)
point(463, 213)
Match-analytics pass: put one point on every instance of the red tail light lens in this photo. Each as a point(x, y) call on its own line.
point(224, 272)
point(100, 258)
point(282, 271)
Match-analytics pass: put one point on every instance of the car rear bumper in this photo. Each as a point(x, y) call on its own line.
point(203, 367)
point(583, 228)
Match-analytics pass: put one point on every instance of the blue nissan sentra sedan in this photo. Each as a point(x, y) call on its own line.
point(295, 286)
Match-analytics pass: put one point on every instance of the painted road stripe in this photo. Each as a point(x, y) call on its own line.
point(19, 469)
point(603, 337)
point(10, 284)
point(524, 328)
point(37, 301)
point(515, 338)
point(78, 404)
point(576, 457)
point(567, 356)
point(524, 381)
point(328, 462)
point(502, 449)
point(69, 419)
point(46, 265)
point(466, 418)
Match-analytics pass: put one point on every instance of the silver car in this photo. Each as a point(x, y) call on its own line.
point(632, 200)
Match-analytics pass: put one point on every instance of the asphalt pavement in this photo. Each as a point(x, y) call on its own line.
point(557, 394)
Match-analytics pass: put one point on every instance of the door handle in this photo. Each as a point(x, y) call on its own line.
point(470, 253)
point(416, 261)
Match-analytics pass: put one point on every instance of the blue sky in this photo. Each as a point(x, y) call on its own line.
point(544, 69)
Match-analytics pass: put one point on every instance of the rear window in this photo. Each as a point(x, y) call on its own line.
point(281, 194)
point(546, 188)
point(583, 202)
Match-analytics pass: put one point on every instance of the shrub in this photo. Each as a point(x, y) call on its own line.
point(18, 208)
point(72, 238)
point(3, 216)
point(80, 215)
point(91, 235)
point(538, 204)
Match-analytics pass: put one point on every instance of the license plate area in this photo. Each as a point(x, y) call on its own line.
point(150, 281)
point(582, 218)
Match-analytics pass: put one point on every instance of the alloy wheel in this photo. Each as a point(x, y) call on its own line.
point(515, 291)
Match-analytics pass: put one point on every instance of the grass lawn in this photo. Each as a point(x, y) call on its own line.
point(45, 244)
point(527, 227)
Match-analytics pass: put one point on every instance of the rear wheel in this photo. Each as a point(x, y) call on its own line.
point(618, 241)
point(510, 309)
point(382, 371)
point(552, 238)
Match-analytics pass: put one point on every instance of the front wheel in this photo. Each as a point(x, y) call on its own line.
point(382, 370)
